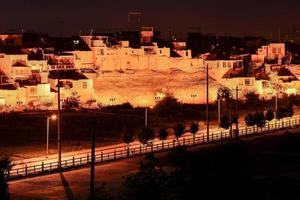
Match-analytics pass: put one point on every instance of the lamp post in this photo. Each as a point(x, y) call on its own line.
point(205, 64)
point(52, 117)
point(58, 122)
point(219, 111)
point(146, 115)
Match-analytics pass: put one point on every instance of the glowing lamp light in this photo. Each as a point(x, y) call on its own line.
point(53, 117)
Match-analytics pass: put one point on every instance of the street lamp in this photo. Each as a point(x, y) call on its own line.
point(53, 118)
point(146, 115)
point(193, 96)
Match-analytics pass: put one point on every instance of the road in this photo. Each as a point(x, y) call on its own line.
point(65, 187)
point(112, 152)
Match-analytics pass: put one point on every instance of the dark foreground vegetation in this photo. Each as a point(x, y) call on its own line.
point(262, 169)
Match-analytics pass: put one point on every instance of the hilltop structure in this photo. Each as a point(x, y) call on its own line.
point(135, 67)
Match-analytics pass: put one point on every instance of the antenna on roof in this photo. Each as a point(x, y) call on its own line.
point(92, 32)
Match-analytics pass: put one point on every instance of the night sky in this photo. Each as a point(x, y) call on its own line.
point(231, 17)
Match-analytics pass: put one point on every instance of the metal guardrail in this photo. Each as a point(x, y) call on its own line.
point(137, 150)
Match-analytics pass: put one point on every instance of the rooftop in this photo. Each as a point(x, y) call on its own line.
point(67, 74)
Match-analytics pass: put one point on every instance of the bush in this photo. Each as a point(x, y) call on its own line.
point(285, 112)
point(72, 102)
point(194, 128)
point(249, 119)
point(146, 135)
point(259, 119)
point(127, 136)
point(163, 134)
point(124, 106)
point(252, 99)
point(269, 115)
point(168, 108)
point(224, 122)
point(179, 130)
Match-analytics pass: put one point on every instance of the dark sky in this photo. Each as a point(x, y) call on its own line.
point(231, 17)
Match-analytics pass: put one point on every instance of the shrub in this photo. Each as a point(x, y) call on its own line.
point(269, 115)
point(224, 122)
point(146, 135)
point(249, 119)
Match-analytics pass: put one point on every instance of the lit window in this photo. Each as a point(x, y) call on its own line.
point(84, 85)
point(33, 91)
point(247, 82)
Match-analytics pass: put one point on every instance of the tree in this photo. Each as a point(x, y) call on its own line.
point(285, 112)
point(127, 138)
point(72, 102)
point(269, 115)
point(146, 135)
point(148, 183)
point(169, 107)
point(252, 99)
point(259, 119)
point(194, 129)
point(249, 119)
point(163, 135)
point(280, 113)
point(225, 123)
point(5, 166)
point(179, 130)
point(289, 111)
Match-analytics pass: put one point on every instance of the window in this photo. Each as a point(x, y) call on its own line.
point(224, 65)
point(33, 91)
point(247, 82)
point(84, 85)
point(279, 50)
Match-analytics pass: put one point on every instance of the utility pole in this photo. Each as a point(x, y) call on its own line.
point(207, 102)
point(236, 108)
point(92, 178)
point(146, 117)
point(58, 123)
point(219, 111)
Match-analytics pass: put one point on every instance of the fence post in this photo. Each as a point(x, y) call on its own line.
point(50, 166)
point(42, 166)
point(101, 156)
point(73, 161)
point(87, 158)
point(25, 170)
point(140, 149)
point(115, 153)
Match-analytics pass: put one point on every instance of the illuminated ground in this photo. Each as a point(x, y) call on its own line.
point(140, 88)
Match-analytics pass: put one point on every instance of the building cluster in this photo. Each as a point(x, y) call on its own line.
point(33, 66)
